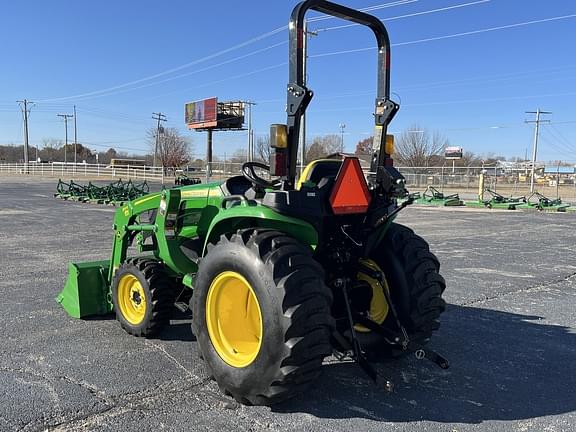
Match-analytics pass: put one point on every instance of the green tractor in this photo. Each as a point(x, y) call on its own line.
point(278, 274)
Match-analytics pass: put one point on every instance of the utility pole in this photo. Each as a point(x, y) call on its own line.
point(302, 137)
point(535, 149)
point(161, 118)
point(209, 154)
point(75, 137)
point(65, 117)
point(250, 155)
point(25, 110)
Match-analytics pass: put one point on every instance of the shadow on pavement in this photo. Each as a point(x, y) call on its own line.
point(180, 328)
point(504, 366)
point(177, 332)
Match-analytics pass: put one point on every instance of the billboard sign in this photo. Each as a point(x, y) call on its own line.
point(201, 114)
point(453, 152)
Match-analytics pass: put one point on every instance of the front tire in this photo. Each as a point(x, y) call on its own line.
point(261, 316)
point(143, 295)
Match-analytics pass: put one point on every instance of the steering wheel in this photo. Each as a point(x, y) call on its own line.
point(249, 173)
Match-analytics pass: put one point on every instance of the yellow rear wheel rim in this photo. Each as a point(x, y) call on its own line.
point(378, 305)
point(131, 299)
point(234, 319)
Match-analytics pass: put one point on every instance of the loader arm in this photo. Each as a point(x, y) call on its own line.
point(126, 227)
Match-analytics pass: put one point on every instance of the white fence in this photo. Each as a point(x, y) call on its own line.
point(71, 170)
point(462, 179)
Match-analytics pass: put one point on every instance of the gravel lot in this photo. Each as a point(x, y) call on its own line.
point(509, 333)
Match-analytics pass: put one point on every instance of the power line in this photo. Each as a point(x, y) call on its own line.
point(366, 9)
point(229, 78)
point(455, 35)
point(458, 6)
point(564, 153)
point(464, 101)
point(175, 69)
point(215, 55)
point(438, 84)
point(125, 90)
point(562, 137)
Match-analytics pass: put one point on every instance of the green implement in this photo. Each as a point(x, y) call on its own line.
point(183, 180)
point(432, 196)
point(116, 193)
point(497, 201)
point(537, 201)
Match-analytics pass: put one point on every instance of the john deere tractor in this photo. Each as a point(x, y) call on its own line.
point(278, 272)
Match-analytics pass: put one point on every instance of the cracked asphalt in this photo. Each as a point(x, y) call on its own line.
point(509, 333)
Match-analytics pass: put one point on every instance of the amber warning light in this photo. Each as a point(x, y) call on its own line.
point(350, 193)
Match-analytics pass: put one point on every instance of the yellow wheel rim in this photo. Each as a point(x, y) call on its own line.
point(234, 319)
point(131, 299)
point(378, 305)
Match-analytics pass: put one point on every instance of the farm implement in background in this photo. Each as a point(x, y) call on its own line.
point(116, 193)
point(432, 196)
point(537, 201)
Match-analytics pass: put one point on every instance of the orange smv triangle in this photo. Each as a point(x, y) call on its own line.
point(350, 192)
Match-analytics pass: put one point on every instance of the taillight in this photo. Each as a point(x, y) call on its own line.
point(278, 164)
point(278, 150)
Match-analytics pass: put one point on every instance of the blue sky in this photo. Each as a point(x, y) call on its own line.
point(467, 68)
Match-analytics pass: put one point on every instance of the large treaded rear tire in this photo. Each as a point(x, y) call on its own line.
point(295, 310)
point(159, 292)
point(416, 286)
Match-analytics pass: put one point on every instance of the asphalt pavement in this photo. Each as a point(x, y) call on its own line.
point(509, 333)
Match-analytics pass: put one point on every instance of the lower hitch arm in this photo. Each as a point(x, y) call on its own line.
point(358, 355)
point(402, 340)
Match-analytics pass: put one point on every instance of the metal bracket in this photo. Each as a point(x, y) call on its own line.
point(298, 99)
point(385, 111)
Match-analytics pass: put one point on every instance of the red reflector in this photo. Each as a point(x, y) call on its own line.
point(278, 162)
point(350, 193)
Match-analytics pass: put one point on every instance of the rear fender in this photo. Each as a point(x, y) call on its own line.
point(255, 216)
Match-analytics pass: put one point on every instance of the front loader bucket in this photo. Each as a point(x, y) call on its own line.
point(86, 289)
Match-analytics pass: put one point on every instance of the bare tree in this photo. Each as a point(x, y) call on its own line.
point(364, 148)
point(174, 150)
point(323, 146)
point(418, 147)
point(263, 148)
point(469, 159)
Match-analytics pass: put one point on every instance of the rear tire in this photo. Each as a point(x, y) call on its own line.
point(415, 284)
point(287, 287)
point(143, 296)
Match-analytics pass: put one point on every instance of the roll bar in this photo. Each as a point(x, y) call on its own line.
point(299, 96)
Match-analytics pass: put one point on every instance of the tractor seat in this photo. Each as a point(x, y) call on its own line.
point(237, 185)
point(319, 169)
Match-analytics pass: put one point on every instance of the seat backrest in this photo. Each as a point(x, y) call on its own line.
point(318, 169)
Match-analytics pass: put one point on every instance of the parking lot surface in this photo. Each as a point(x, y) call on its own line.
point(509, 333)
